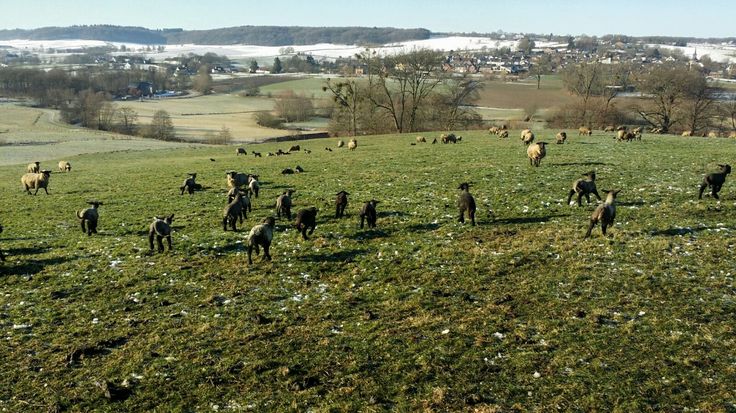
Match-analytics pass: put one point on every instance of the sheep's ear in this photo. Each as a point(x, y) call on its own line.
point(615, 192)
point(171, 217)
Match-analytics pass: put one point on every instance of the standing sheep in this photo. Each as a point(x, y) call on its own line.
point(584, 187)
point(715, 181)
point(189, 184)
point(232, 212)
point(244, 201)
point(65, 166)
point(236, 179)
point(466, 203)
point(340, 143)
point(306, 219)
point(605, 213)
point(503, 134)
point(261, 235)
point(90, 216)
point(160, 228)
point(341, 202)
point(295, 148)
point(536, 152)
point(352, 144)
point(421, 139)
point(240, 151)
point(585, 131)
point(34, 168)
point(368, 213)
point(36, 181)
point(253, 186)
point(283, 204)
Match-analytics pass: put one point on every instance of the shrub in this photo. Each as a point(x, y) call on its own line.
point(268, 120)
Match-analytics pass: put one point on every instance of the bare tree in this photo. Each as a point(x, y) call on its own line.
point(584, 80)
point(161, 126)
point(126, 118)
point(460, 93)
point(348, 97)
point(399, 84)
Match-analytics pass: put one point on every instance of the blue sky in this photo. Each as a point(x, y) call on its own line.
point(712, 18)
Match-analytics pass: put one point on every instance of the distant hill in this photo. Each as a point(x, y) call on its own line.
point(252, 35)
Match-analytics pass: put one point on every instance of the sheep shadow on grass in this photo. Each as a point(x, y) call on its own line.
point(526, 220)
point(422, 227)
point(16, 266)
point(339, 256)
point(578, 163)
point(675, 231)
point(369, 234)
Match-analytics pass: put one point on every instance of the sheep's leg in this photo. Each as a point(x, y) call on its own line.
point(304, 232)
point(311, 231)
point(569, 196)
point(337, 211)
point(604, 225)
point(94, 227)
point(266, 252)
point(362, 217)
point(715, 190)
point(150, 240)
point(288, 214)
point(224, 224)
point(587, 197)
point(46, 190)
point(702, 188)
point(461, 218)
point(471, 214)
point(590, 228)
point(84, 229)
point(233, 221)
point(250, 250)
point(2, 256)
point(159, 241)
point(182, 190)
point(596, 194)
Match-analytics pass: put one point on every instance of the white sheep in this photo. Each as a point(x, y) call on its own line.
point(65, 166)
point(36, 181)
point(33, 168)
point(527, 136)
point(536, 152)
point(352, 144)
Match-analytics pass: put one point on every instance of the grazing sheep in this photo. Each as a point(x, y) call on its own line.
point(715, 181)
point(257, 154)
point(421, 139)
point(584, 130)
point(466, 203)
point(536, 152)
point(527, 136)
point(341, 202)
point(65, 166)
point(283, 204)
point(638, 130)
point(306, 219)
point(307, 151)
point(287, 171)
point(261, 235)
point(621, 127)
point(90, 216)
point(160, 228)
point(236, 179)
point(447, 138)
point(605, 213)
point(368, 214)
point(687, 133)
point(494, 130)
point(34, 168)
point(328, 149)
point(295, 148)
point(189, 184)
point(503, 134)
point(233, 211)
point(561, 137)
point(270, 154)
point(352, 144)
point(712, 134)
point(298, 169)
point(609, 128)
point(584, 187)
point(253, 185)
point(434, 141)
point(240, 151)
point(340, 143)
point(281, 152)
point(36, 181)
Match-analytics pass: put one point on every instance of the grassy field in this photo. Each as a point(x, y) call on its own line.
point(518, 313)
point(29, 134)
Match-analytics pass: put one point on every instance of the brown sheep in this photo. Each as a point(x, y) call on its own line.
point(34, 168)
point(306, 219)
point(341, 202)
point(584, 187)
point(527, 136)
point(283, 204)
point(584, 130)
point(715, 181)
point(368, 214)
point(261, 235)
point(466, 203)
point(352, 144)
point(295, 148)
point(90, 216)
point(160, 228)
point(605, 213)
point(65, 166)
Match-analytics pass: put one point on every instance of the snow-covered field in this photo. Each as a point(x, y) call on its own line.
point(717, 52)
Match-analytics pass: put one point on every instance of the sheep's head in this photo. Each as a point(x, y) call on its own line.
point(192, 174)
point(169, 219)
point(95, 203)
point(464, 186)
point(270, 221)
point(342, 193)
point(725, 168)
point(47, 173)
point(590, 175)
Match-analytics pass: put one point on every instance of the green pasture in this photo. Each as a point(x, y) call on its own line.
point(422, 313)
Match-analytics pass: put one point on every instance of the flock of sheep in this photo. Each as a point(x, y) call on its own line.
point(242, 187)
